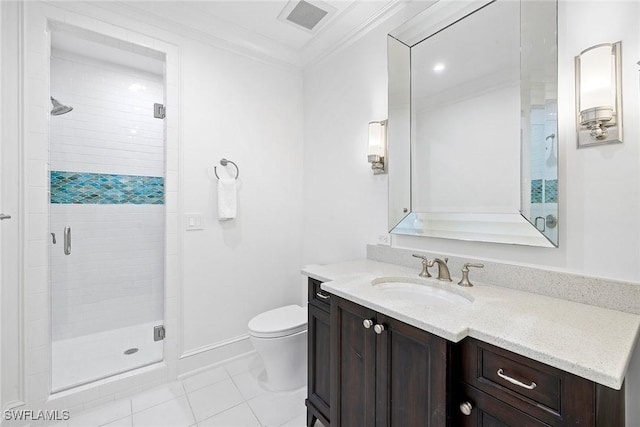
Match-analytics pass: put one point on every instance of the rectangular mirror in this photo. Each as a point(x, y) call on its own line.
point(473, 123)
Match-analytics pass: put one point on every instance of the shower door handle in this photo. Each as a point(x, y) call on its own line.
point(67, 240)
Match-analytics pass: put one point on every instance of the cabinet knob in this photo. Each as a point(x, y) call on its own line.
point(466, 408)
point(378, 329)
point(367, 323)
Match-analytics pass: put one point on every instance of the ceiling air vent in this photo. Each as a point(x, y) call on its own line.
point(306, 14)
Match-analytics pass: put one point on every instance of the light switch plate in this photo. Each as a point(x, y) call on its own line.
point(194, 221)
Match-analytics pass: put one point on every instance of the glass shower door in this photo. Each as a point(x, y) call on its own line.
point(106, 219)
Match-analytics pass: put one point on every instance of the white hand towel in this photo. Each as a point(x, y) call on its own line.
point(227, 198)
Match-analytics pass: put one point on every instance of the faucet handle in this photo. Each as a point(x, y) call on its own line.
point(469, 264)
point(465, 274)
point(426, 263)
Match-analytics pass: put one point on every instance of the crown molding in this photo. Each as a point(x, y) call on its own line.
point(221, 34)
point(350, 25)
point(329, 44)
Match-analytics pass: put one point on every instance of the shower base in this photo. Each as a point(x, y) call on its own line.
point(81, 360)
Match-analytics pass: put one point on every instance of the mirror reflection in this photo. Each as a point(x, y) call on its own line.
point(473, 117)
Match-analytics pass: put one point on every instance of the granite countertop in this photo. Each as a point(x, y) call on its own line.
point(592, 342)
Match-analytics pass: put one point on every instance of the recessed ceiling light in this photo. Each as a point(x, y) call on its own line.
point(438, 68)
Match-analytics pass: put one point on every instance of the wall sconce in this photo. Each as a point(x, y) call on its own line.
point(599, 95)
point(378, 146)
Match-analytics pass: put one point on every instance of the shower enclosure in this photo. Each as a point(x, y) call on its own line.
point(543, 168)
point(106, 209)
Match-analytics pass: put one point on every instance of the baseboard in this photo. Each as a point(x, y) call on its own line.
point(196, 360)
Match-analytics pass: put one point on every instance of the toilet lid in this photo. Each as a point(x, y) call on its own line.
point(279, 322)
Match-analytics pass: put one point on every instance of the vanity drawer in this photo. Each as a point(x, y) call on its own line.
point(317, 296)
point(510, 378)
point(495, 370)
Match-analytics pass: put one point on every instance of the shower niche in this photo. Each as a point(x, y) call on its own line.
point(106, 207)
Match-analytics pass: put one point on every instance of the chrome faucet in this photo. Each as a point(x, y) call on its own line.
point(443, 270)
point(426, 263)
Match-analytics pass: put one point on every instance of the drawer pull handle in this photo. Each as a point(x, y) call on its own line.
point(323, 296)
point(367, 323)
point(502, 375)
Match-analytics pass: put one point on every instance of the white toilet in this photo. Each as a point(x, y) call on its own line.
point(280, 338)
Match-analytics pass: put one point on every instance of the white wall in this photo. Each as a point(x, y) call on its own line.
point(345, 205)
point(599, 187)
point(249, 112)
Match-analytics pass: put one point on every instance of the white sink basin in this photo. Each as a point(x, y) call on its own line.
point(421, 291)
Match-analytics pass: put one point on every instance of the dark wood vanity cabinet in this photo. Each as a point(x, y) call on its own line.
point(318, 355)
point(501, 388)
point(384, 373)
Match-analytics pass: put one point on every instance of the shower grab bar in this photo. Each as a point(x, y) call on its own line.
point(67, 240)
point(224, 162)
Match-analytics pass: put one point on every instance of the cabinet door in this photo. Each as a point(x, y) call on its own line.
point(411, 376)
point(353, 365)
point(318, 363)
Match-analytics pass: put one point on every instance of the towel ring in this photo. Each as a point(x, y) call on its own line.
point(224, 162)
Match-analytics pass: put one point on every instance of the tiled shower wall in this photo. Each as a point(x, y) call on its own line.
point(107, 184)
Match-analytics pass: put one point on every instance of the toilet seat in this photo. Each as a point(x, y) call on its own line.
point(279, 322)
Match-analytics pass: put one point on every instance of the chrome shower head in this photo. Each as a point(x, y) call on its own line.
point(552, 136)
point(59, 108)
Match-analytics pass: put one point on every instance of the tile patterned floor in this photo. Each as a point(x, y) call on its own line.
point(226, 396)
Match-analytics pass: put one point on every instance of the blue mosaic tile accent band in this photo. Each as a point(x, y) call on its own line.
point(97, 188)
point(551, 191)
point(536, 191)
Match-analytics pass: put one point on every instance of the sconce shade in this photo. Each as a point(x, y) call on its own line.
point(376, 142)
point(597, 79)
point(376, 152)
point(599, 95)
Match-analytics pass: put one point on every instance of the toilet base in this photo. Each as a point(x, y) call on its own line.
point(285, 361)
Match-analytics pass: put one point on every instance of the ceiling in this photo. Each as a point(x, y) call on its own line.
point(253, 25)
